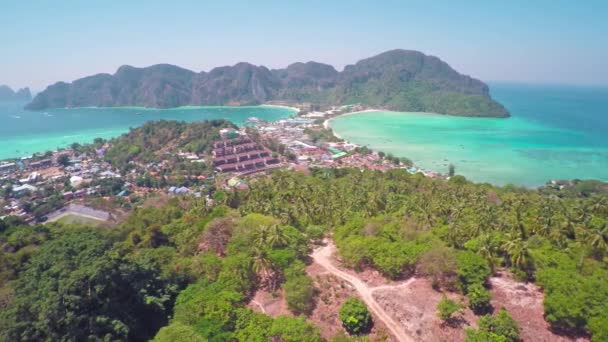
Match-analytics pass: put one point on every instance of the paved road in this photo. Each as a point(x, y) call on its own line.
point(322, 256)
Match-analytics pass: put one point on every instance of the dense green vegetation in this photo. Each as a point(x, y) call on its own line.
point(186, 265)
point(447, 308)
point(354, 316)
point(299, 290)
point(190, 267)
point(76, 286)
point(498, 328)
point(152, 142)
point(400, 223)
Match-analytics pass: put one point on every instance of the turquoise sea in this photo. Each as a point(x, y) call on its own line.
point(25, 132)
point(555, 132)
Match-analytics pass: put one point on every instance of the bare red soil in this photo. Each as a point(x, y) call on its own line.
point(524, 302)
point(411, 304)
point(272, 304)
point(415, 307)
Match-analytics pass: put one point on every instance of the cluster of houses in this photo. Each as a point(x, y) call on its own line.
point(26, 163)
point(24, 180)
point(236, 152)
point(292, 133)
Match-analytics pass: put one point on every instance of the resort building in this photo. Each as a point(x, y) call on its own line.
point(240, 154)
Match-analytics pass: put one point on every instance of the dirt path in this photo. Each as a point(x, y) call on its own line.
point(259, 305)
point(322, 256)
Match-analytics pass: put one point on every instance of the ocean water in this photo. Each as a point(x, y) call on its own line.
point(555, 132)
point(25, 132)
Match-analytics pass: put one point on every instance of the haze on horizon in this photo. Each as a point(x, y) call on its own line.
point(541, 41)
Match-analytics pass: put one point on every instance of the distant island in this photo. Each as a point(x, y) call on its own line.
point(8, 94)
point(399, 80)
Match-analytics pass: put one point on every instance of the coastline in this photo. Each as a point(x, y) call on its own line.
point(297, 110)
point(327, 125)
point(519, 151)
point(143, 108)
point(41, 138)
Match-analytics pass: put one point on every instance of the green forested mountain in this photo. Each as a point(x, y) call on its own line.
point(151, 142)
point(399, 80)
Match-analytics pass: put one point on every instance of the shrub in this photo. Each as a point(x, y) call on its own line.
point(252, 326)
point(439, 264)
point(495, 328)
point(446, 308)
point(299, 293)
point(472, 269)
point(355, 317)
point(294, 329)
point(315, 232)
point(178, 332)
point(473, 335)
point(394, 259)
point(479, 298)
point(502, 324)
point(598, 326)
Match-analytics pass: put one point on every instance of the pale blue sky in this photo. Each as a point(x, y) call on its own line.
point(541, 41)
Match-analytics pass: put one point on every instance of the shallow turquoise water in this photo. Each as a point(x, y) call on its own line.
point(25, 132)
point(554, 133)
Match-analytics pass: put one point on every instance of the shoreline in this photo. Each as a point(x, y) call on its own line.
point(326, 123)
point(524, 174)
point(297, 110)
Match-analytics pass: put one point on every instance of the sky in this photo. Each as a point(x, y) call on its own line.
point(540, 41)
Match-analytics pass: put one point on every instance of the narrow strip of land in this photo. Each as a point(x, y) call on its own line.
point(322, 256)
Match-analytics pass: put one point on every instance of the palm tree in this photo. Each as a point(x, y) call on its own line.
point(487, 249)
point(517, 249)
point(264, 269)
point(596, 234)
point(598, 205)
point(269, 236)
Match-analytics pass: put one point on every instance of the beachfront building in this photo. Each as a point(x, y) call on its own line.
point(41, 164)
point(7, 168)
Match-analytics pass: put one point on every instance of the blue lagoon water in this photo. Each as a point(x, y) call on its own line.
point(25, 132)
point(555, 132)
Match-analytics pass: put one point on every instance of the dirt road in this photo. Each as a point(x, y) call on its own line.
point(322, 256)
